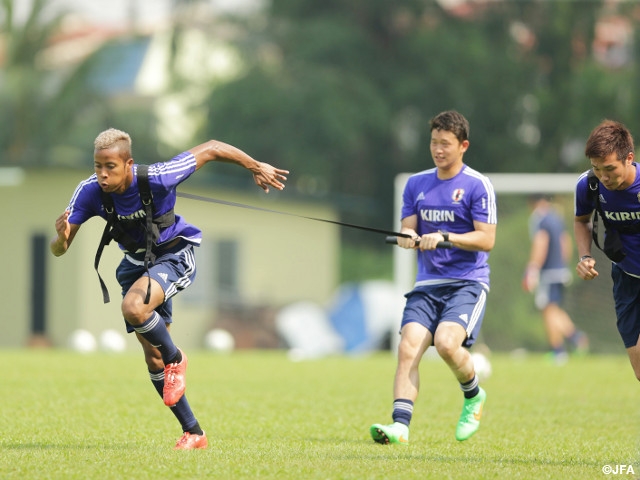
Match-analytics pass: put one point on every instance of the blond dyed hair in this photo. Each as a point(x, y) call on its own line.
point(113, 138)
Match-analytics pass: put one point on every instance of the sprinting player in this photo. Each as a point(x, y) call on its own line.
point(451, 202)
point(610, 151)
point(547, 274)
point(147, 292)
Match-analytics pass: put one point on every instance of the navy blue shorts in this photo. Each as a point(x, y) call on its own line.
point(174, 269)
point(626, 296)
point(548, 293)
point(460, 302)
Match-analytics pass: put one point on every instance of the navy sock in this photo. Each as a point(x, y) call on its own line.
point(471, 388)
point(155, 332)
point(576, 337)
point(181, 410)
point(402, 411)
point(558, 350)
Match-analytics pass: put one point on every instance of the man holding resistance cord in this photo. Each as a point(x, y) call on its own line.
point(148, 289)
point(454, 203)
point(615, 194)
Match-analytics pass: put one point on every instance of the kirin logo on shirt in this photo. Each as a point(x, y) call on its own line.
point(134, 216)
point(457, 194)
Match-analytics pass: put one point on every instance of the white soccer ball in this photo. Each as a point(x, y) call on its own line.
point(112, 341)
point(219, 340)
point(82, 341)
point(482, 366)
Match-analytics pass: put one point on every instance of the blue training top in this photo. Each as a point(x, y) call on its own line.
point(621, 207)
point(164, 177)
point(452, 205)
point(554, 268)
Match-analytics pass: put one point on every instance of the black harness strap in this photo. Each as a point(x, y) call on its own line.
point(593, 192)
point(105, 240)
point(116, 229)
point(147, 202)
point(613, 247)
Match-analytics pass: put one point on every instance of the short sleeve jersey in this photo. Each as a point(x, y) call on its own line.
point(452, 205)
point(554, 269)
point(620, 207)
point(164, 177)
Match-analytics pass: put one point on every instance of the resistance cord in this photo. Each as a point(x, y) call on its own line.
point(250, 207)
point(390, 233)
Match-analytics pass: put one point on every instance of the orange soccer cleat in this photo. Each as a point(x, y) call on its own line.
point(191, 441)
point(174, 381)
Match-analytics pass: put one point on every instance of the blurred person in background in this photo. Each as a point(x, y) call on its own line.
point(547, 274)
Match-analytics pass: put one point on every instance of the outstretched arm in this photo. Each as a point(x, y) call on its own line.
point(66, 232)
point(264, 174)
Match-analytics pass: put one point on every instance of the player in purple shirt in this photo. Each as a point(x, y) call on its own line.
point(547, 274)
point(454, 203)
point(163, 179)
point(173, 268)
point(610, 150)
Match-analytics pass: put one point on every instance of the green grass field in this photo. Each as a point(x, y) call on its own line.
point(73, 416)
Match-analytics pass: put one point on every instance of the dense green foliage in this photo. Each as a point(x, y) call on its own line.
point(72, 416)
point(341, 93)
point(51, 112)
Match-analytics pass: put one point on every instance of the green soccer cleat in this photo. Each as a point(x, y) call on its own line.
point(581, 344)
point(386, 434)
point(470, 417)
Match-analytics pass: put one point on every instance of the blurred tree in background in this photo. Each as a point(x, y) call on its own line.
point(20, 109)
point(38, 107)
point(340, 93)
point(50, 114)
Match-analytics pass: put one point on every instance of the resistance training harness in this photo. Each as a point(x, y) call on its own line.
point(116, 228)
point(119, 229)
point(613, 247)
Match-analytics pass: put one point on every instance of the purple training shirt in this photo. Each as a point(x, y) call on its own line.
point(164, 177)
point(452, 205)
point(620, 207)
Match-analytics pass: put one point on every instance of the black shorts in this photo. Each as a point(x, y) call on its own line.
point(626, 295)
point(174, 269)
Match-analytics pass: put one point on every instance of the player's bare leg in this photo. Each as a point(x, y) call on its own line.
point(149, 325)
point(193, 436)
point(448, 341)
point(413, 344)
point(634, 357)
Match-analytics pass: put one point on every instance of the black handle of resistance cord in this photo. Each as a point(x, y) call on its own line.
point(394, 241)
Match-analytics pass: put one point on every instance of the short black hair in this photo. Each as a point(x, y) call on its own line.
point(451, 121)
